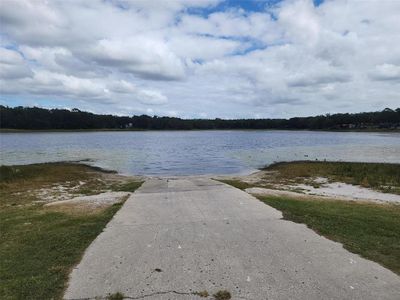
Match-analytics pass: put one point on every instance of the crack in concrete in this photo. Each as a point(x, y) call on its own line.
point(163, 293)
point(140, 297)
point(152, 294)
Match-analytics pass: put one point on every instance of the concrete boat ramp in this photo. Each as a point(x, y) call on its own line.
point(175, 237)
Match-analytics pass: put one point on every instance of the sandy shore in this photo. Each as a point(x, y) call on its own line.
point(320, 189)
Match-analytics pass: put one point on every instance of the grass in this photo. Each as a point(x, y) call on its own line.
point(129, 186)
point(76, 178)
point(371, 230)
point(43, 173)
point(18, 182)
point(222, 295)
point(38, 250)
point(236, 183)
point(379, 176)
point(38, 247)
point(116, 296)
point(202, 294)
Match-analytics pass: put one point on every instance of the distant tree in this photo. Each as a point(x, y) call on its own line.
point(39, 118)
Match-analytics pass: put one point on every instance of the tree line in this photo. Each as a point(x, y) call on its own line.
point(35, 118)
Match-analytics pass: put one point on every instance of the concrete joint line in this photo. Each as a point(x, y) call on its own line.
point(143, 296)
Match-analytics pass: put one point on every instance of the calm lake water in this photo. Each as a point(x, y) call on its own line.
point(196, 152)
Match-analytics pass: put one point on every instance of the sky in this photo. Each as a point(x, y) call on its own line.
point(201, 58)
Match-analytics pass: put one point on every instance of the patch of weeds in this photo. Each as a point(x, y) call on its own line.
point(116, 296)
point(203, 294)
point(237, 183)
point(222, 295)
point(22, 184)
point(8, 173)
point(101, 170)
point(43, 173)
point(86, 192)
point(265, 185)
point(297, 190)
point(130, 186)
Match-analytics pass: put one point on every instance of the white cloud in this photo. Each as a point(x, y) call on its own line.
point(300, 21)
point(156, 56)
point(32, 22)
point(386, 72)
point(203, 48)
point(142, 56)
point(12, 65)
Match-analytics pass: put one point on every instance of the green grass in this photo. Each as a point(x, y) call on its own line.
point(40, 173)
point(39, 247)
point(202, 294)
point(379, 176)
point(116, 296)
point(222, 295)
point(129, 186)
point(371, 230)
point(236, 183)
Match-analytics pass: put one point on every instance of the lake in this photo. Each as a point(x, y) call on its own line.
point(196, 152)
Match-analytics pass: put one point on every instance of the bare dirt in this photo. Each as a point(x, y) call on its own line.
point(263, 183)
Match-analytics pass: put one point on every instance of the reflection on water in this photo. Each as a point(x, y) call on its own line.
point(196, 152)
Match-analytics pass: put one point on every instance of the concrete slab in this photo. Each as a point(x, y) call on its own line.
point(177, 236)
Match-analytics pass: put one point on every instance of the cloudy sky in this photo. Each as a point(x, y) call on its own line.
point(201, 58)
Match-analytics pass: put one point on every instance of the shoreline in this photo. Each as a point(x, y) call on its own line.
point(11, 130)
point(253, 171)
point(255, 181)
point(345, 181)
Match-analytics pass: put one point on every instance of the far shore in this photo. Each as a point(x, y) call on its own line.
point(11, 130)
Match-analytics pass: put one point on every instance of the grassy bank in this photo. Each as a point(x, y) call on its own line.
point(367, 229)
point(237, 183)
point(379, 176)
point(39, 246)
